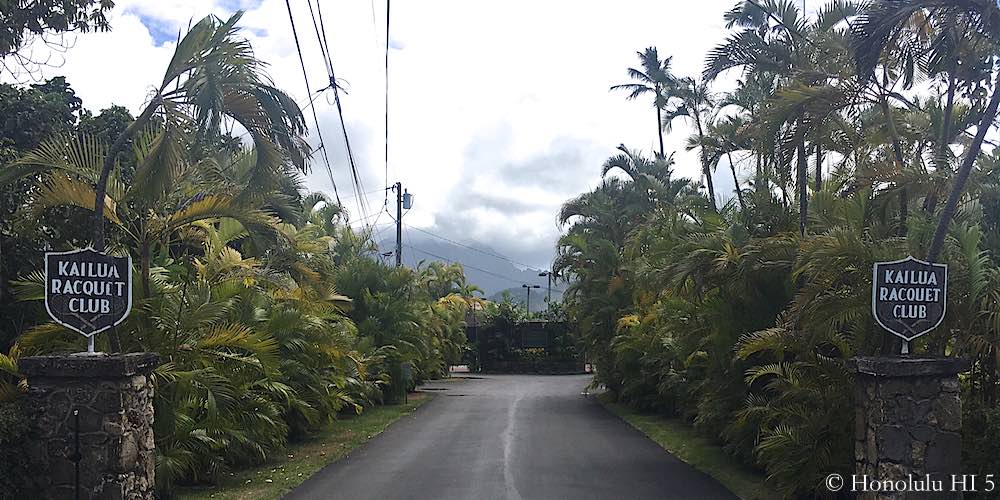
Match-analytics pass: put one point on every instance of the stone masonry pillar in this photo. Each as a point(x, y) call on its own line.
point(113, 395)
point(908, 424)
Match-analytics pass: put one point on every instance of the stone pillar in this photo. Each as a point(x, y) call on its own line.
point(113, 395)
point(908, 423)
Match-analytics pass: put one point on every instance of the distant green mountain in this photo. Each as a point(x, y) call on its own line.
point(490, 273)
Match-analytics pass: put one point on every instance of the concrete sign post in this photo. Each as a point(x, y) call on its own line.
point(909, 297)
point(87, 291)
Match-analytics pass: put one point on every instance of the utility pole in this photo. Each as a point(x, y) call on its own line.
point(398, 188)
point(403, 200)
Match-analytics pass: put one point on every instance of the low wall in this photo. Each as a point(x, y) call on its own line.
point(536, 367)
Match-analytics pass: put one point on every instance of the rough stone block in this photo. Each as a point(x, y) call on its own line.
point(893, 444)
point(68, 492)
point(926, 387)
point(93, 439)
point(109, 401)
point(62, 471)
point(950, 385)
point(922, 433)
point(107, 367)
point(891, 471)
point(945, 453)
point(90, 420)
point(918, 455)
point(948, 410)
point(908, 367)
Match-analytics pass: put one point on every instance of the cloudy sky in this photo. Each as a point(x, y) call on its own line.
point(498, 110)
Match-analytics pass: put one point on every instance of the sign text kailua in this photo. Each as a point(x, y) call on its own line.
point(909, 297)
point(87, 291)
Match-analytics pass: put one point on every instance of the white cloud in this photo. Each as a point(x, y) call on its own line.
point(521, 79)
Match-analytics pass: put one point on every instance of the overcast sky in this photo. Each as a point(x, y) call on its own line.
point(499, 111)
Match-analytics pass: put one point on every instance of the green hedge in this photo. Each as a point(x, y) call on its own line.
point(15, 473)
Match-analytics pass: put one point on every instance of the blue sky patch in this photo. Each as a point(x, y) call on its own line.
point(235, 5)
point(161, 30)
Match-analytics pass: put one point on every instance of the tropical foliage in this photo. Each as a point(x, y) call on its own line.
point(270, 314)
point(853, 135)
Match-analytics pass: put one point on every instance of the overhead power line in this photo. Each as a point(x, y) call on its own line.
point(369, 217)
point(387, 5)
point(312, 103)
point(484, 252)
point(328, 61)
point(411, 247)
point(373, 191)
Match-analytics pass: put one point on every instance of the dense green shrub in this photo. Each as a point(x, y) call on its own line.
point(980, 441)
point(271, 316)
point(15, 472)
point(739, 316)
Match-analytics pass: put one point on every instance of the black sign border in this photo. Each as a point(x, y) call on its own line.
point(944, 307)
point(128, 308)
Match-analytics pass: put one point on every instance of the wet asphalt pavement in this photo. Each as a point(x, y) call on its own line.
point(510, 437)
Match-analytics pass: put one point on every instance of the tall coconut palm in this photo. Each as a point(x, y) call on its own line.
point(655, 78)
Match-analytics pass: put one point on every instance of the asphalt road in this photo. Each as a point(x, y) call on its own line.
point(510, 437)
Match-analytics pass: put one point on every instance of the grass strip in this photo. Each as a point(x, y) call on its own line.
point(301, 460)
point(702, 453)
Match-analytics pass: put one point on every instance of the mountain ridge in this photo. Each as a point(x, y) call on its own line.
point(491, 273)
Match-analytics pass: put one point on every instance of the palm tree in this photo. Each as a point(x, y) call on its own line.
point(694, 101)
point(655, 78)
point(212, 75)
point(980, 20)
point(723, 137)
point(656, 177)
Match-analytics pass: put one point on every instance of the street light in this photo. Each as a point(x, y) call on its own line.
point(528, 302)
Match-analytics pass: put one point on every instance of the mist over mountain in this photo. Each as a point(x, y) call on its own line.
point(489, 272)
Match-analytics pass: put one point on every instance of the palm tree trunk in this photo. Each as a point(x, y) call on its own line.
point(949, 109)
point(659, 129)
point(963, 174)
point(801, 182)
point(940, 158)
point(897, 152)
point(100, 190)
point(144, 267)
point(782, 180)
point(819, 167)
point(704, 164)
point(904, 211)
point(736, 182)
